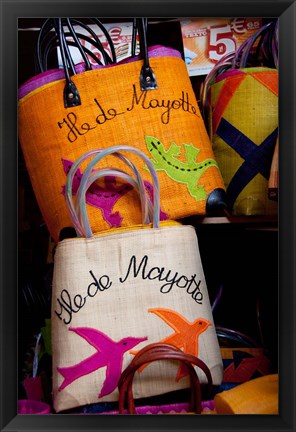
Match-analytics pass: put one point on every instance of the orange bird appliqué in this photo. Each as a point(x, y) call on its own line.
point(185, 336)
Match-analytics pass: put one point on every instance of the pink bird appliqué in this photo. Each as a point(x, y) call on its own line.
point(109, 354)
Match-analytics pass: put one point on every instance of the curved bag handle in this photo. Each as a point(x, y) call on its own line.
point(156, 352)
point(78, 44)
point(134, 34)
point(224, 64)
point(71, 93)
point(74, 210)
point(126, 378)
point(78, 213)
point(54, 43)
point(147, 77)
point(68, 189)
point(125, 385)
point(80, 197)
point(264, 36)
point(107, 59)
point(46, 41)
point(45, 32)
point(268, 44)
point(107, 36)
point(81, 208)
point(134, 37)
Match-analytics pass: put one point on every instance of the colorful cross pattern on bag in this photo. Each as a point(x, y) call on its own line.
point(244, 129)
point(256, 158)
point(243, 364)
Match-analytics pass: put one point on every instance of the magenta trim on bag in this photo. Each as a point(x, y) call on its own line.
point(28, 406)
point(58, 74)
point(167, 409)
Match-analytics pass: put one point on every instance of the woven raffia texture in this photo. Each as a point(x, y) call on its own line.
point(117, 292)
point(244, 130)
point(258, 396)
point(115, 111)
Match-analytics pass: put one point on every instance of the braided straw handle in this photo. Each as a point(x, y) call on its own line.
point(160, 351)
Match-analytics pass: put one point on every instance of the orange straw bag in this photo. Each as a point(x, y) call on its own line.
point(147, 102)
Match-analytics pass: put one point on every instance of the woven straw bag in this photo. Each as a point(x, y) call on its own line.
point(257, 396)
point(145, 101)
point(116, 291)
point(240, 102)
point(273, 185)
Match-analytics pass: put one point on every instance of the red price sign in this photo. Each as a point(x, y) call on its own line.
point(221, 42)
point(207, 40)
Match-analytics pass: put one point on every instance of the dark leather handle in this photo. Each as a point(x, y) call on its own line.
point(71, 93)
point(155, 352)
point(147, 77)
point(125, 382)
point(48, 39)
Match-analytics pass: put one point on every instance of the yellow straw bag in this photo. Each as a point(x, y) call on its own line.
point(244, 132)
point(240, 101)
point(258, 396)
point(148, 103)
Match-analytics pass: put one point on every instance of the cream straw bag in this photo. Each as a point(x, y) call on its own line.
point(116, 291)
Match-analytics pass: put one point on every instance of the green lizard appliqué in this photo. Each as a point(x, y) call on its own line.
point(187, 173)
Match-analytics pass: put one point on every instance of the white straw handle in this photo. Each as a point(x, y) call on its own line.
point(78, 212)
point(80, 204)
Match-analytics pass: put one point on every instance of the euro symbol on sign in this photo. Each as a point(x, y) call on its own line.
point(237, 25)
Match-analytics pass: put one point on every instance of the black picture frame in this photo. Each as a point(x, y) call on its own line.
point(10, 12)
